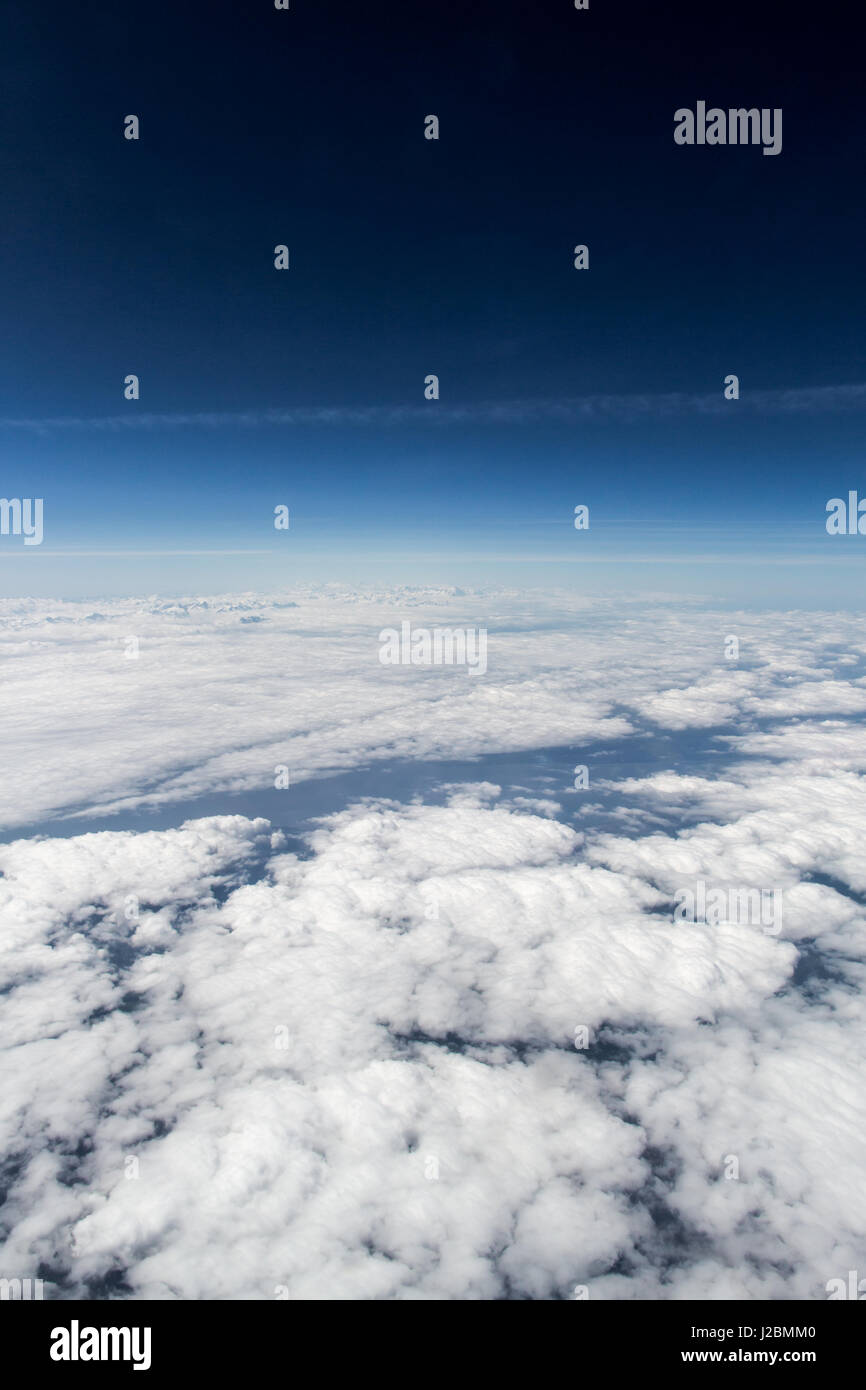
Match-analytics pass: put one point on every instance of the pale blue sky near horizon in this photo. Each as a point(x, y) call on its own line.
point(189, 508)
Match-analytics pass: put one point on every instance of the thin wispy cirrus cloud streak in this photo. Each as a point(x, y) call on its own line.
point(797, 400)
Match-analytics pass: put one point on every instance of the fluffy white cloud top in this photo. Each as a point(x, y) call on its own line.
point(447, 1051)
point(213, 701)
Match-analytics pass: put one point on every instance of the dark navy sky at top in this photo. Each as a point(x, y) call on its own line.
point(407, 255)
point(411, 256)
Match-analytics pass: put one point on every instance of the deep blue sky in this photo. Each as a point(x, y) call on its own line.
point(411, 256)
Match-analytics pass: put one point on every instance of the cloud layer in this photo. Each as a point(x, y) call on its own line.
point(236, 1073)
point(223, 691)
point(460, 1050)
